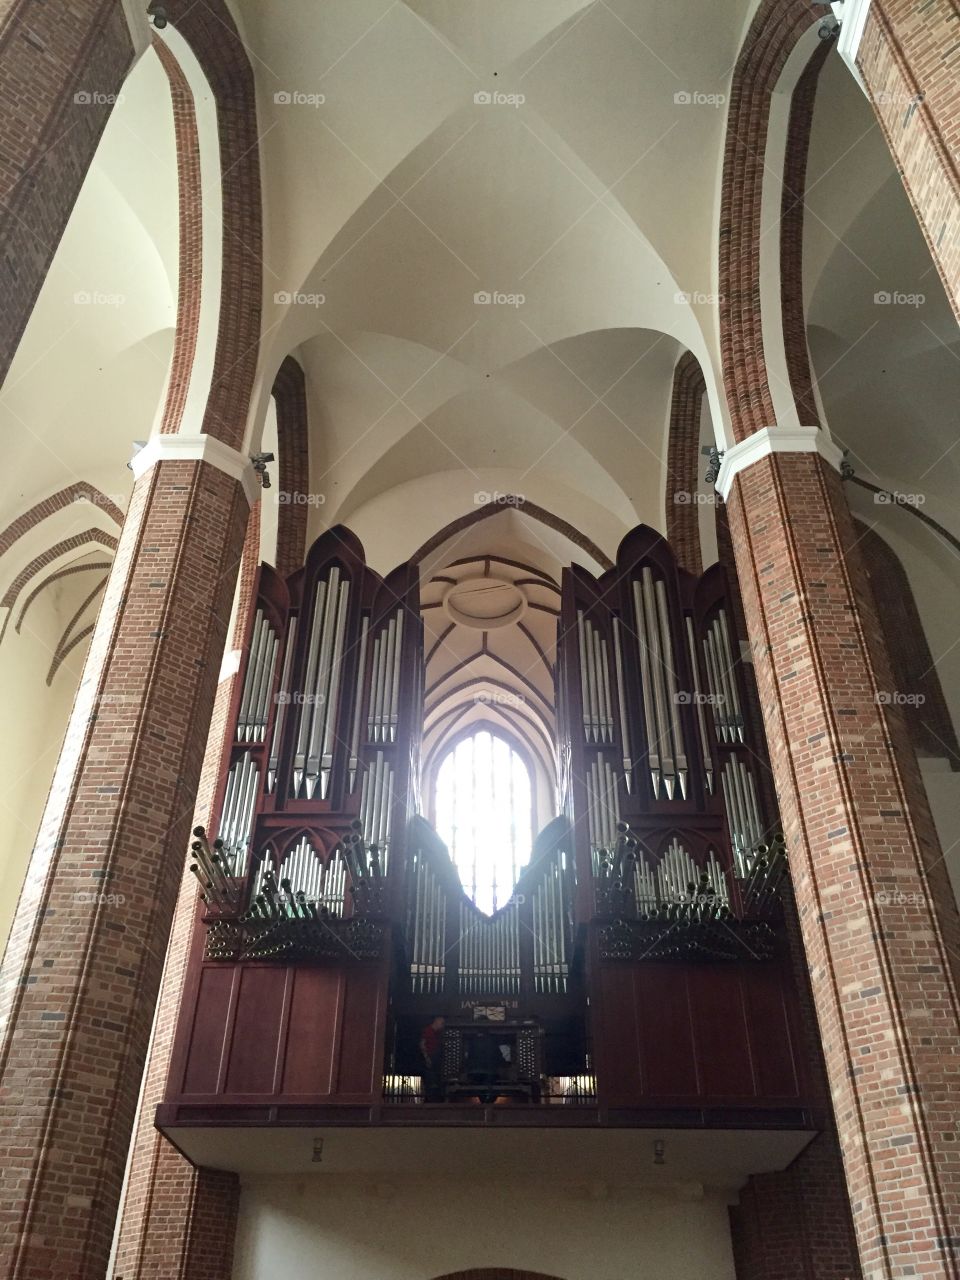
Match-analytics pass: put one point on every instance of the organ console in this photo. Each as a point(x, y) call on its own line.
point(639, 967)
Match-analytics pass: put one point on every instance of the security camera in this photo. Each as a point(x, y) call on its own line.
point(158, 15)
point(828, 29)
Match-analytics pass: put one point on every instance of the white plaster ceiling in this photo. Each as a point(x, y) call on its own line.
point(889, 372)
point(398, 198)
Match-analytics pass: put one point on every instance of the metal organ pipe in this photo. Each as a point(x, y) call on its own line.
point(319, 708)
point(303, 728)
point(646, 689)
point(652, 637)
point(331, 701)
point(238, 808)
point(731, 674)
point(670, 682)
point(358, 705)
point(622, 707)
point(282, 702)
point(258, 642)
point(584, 679)
point(395, 681)
point(698, 697)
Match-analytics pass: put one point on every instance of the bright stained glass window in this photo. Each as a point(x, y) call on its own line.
point(484, 814)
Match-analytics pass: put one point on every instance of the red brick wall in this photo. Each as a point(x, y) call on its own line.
point(290, 393)
point(816, 1239)
point(190, 248)
point(791, 237)
point(178, 1222)
point(773, 33)
point(877, 914)
point(908, 60)
point(82, 968)
point(683, 463)
point(211, 33)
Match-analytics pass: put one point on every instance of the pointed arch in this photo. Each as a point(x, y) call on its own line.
point(557, 523)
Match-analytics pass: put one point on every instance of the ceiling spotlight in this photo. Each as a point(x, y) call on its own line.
point(158, 15)
point(260, 461)
point(716, 458)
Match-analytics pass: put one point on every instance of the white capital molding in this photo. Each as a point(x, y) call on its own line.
point(199, 448)
point(852, 15)
point(774, 440)
point(230, 664)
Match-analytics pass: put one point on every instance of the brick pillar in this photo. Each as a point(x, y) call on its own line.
point(878, 918)
point(178, 1222)
point(907, 60)
point(79, 983)
point(61, 66)
point(818, 1243)
point(683, 463)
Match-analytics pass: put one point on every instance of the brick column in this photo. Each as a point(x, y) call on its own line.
point(80, 978)
point(178, 1222)
point(907, 60)
point(878, 918)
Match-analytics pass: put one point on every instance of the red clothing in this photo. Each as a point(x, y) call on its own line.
point(432, 1039)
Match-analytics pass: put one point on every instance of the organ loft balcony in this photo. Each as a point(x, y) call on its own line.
point(361, 992)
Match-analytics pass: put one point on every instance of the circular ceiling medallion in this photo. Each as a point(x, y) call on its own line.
point(484, 603)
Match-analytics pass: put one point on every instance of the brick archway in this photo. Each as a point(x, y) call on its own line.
point(496, 1273)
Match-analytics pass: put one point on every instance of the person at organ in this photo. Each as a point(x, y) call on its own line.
point(431, 1049)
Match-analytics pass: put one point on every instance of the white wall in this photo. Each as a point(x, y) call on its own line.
point(36, 719)
point(326, 1228)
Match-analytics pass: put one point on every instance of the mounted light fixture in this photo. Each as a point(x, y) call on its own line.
point(260, 461)
point(716, 457)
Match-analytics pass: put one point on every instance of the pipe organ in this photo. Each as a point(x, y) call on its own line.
point(641, 953)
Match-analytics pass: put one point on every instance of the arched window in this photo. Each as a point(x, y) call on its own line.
point(484, 813)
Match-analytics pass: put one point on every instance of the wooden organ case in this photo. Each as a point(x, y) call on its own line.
point(639, 974)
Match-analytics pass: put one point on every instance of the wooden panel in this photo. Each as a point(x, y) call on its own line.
point(666, 1033)
point(312, 1032)
point(768, 1001)
point(720, 1031)
point(254, 1041)
point(361, 1068)
point(614, 1030)
point(208, 1030)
